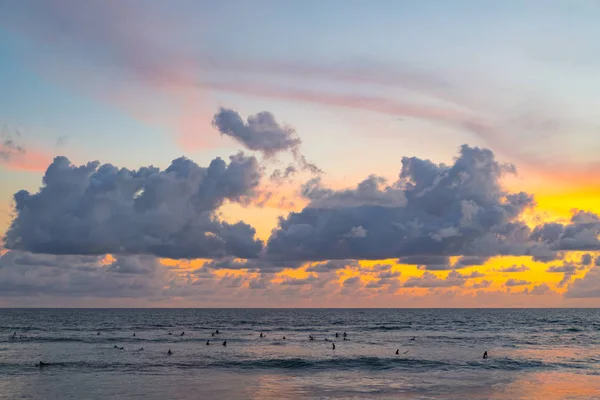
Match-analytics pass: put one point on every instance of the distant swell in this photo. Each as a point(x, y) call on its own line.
point(342, 363)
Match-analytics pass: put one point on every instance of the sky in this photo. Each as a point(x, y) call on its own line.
point(299, 153)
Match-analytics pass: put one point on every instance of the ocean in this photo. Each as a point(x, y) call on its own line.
point(533, 354)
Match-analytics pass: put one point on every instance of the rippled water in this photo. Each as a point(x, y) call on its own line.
point(550, 354)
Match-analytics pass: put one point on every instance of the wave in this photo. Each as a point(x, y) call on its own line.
point(298, 364)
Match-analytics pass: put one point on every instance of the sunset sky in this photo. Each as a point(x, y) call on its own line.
point(337, 153)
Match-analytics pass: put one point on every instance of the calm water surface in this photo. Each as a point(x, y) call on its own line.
point(546, 354)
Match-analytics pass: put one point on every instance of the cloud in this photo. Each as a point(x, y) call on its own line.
point(253, 265)
point(430, 280)
point(538, 290)
point(14, 155)
point(371, 191)
point(99, 209)
point(567, 269)
point(456, 210)
point(481, 285)
point(357, 232)
point(62, 140)
point(261, 132)
point(469, 261)
point(25, 274)
point(586, 287)
point(332, 265)
point(514, 282)
point(514, 268)
point(586, 259)
point(580, 234)
point(8, 147)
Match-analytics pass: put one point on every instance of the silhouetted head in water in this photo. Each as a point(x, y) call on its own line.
point(182, 333)
point(121, 348)
point(116, 347)
point(284, 338)
point(397, 351)
point(345, 339)
point(217, 332)
point(337, 334)
point(208, 342)
point(485, 355)
point(345, 334)
point(169, 352)
point(333, 346)
point(41, 364)
point(170, 333)
point(98, 333)
point(225, 343)
point(133, 333)
point(327, 340)
point(261, 334)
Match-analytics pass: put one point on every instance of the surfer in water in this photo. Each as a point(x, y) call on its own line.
point(333, 346)
point(485, 355)
point(397, 351)
point(225, 343)
point(208, 342)
point(169, 352)
point(182, 334)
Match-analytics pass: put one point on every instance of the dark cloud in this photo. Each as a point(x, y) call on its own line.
point(333, 265)
point(430, 280)
point(299, 282)
point(26, 274)
point(352, 281)
point(586, 259)
point(567, 269)
point(281, 176)
point(253, 265)
point(9, 147)
point(586, 287)
point(448, 210)
point(431, 263)
point(371, 191)
point(261, 132)
point(516, 282)
point(98, 209)
point(514, 268)
point(481, 285)
point(580, 234)
point(469, 261)
point(538, 290)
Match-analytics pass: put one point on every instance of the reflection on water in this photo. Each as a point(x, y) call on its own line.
point(551, 386)
point(534, 354)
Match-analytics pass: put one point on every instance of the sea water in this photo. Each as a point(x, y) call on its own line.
point(533, 354)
